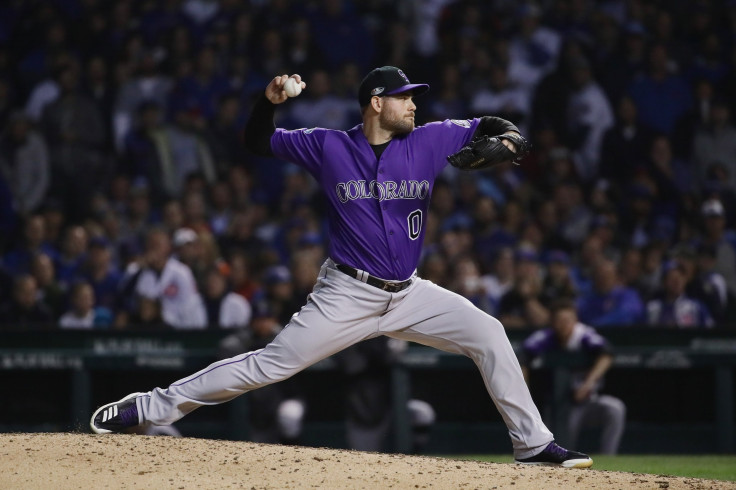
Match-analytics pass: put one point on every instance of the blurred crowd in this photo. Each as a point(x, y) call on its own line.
point(127, 199)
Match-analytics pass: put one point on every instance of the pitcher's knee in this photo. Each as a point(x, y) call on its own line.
point(486, 330)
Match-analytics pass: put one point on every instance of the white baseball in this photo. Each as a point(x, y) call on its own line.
point(292, 88)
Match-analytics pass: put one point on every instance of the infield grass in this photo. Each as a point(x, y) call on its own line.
point(715, 467)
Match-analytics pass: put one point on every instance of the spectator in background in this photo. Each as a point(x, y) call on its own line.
point(603, 227)
point(466, 281)
point(631, 269)
point(503, 98)
point(145, 315)
point(501, 277)
point(140, 148)
point(183, 151)
point(23, 310)
point(305, 265)
point(101, 273)
point(55, 219)
point(574, 216)
point(47, 90)
point(278, 293)
point(172, 216)
point(715, 143)
point(650, 278)
point(194, 206)
point(18, 259)
point(73, 253)
point(24, 162)
point(188, 251)
point(75, 133)
point(588, 406)
point(558, 283)
point(147, 86)
point(240, 235)
point(83, 314)
point(589, 116)
point(200, 91)
point(50, 291)
point(625, 145)
point(451, 100)
point(559, 169)
point(534, 50)
point(99, 88)
point(221, 209)
point(167, 280)
point(638, 219)
point(609, 303)
point(709, 286)
point(138, 215)
point(521, 306)
point(225, 309)
point(673, 308)
point(671, 175)
point(301, 50)
point(661, 94)
point(716, 234)
point(242, 276)
point(695, 120)
point(224, 135)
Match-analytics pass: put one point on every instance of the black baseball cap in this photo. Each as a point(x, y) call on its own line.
point(387, 80)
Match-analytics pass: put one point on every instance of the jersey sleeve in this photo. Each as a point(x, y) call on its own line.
point(595, 343)
point(446, 137)
point(535, 345)
point(302, 147)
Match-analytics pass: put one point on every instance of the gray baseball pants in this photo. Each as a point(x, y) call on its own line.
point(341, 311)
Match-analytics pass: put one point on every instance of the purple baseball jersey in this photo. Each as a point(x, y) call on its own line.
point(378, 208)
point(583, 338)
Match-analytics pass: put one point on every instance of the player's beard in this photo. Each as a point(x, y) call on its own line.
point(395, 123)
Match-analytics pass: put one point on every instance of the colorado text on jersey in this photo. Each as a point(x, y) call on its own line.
point(359, 189)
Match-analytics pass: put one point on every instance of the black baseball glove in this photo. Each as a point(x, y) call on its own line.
point(487, 151)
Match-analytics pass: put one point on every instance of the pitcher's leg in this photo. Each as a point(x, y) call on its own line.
point(447, 321)
point(308, 338)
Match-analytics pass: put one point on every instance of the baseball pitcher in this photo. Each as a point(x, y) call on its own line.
point(378, 179)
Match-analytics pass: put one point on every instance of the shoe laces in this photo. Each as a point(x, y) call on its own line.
point(556, 450)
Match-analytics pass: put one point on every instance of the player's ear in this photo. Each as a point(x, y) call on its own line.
point(376, 103)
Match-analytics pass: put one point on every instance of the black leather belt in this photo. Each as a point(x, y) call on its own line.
point(391, 287)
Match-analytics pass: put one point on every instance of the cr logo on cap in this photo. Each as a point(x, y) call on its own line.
point(377, 90)
point(403, 76)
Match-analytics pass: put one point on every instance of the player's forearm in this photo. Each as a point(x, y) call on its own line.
point(601, 365)
point(260, 127)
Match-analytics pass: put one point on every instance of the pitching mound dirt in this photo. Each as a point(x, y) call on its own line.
point(62, 461)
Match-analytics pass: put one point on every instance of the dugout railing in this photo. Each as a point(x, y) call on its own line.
point(679, 386)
